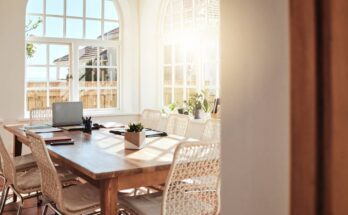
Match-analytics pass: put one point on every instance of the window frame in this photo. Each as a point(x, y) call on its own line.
point(74, 44)
point(200, 74)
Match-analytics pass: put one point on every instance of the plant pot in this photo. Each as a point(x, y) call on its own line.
point(195, 114)
point(134, 140)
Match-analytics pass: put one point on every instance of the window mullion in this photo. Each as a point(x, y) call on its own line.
point(98, 78)
point(44, 18)
point(47, 75)
point(102, 20)
point(64, 19)
point(75, 72)
point(84, 18)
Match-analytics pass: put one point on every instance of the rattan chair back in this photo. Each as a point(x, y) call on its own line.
point(192, 186)
point(211, 130)
point(150, 118)
point(40, 115)
point(8, 166)
point(177, 124)
point(50, 183)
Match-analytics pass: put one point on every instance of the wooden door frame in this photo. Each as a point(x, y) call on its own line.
point(319, 107)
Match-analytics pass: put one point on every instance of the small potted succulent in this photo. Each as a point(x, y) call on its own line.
point(135, 136)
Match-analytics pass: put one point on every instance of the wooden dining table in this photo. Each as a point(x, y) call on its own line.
point(101, 159)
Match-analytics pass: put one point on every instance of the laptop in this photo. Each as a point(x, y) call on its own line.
point(67, 114)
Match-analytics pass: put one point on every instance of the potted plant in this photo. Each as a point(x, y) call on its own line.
point(197, 105)
point(135, 136)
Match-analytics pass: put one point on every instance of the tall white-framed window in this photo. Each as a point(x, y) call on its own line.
point(72, 54)
point(190, 50)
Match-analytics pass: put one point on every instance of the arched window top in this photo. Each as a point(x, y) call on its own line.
point(73, 19)
point(190, 17)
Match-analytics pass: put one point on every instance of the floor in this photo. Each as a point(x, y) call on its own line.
point(30, 205)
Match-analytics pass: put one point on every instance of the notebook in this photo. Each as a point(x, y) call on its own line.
point(148, 132)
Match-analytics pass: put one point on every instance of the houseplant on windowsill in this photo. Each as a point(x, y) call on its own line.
point(135, 136)
point(198, 105)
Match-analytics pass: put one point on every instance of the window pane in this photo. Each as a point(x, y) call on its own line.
point(93, 29)
point(58, 77)
point(179, 75)
point(36, 99)
point(212, 52)
point(74, 28)
point(88, 98)
point(33, 27)
point(210, 75)
point(107, 56)
point(179, 96)
point(177, 17)
point(74, 8)
point(88, 77)
point(177, 6)
point(191, 75)
point(55, 7)
point(211, 95)
point(108, 98)
point(58, 95)
point(54, 27)
point(111, 31)
point(200, 11)
point(88, 55)
point(108, 77)
point(167, 95)
point(167, 54)
point(35, 6)
point(59, 55)
point(190, 91)
point(168, 75)
point(110, 10)
point(39, 56)
point(36, 77)
point(179, 55)
point(93, 8)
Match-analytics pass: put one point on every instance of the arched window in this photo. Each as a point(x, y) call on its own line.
point(190, 49)
point(72, 53)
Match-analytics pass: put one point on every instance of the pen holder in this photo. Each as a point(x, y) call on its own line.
point(87, 122)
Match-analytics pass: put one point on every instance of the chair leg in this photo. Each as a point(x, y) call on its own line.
point(3, 198)
point(56, 211)
point(20, 204)
point(19, 208)
point(45, 210)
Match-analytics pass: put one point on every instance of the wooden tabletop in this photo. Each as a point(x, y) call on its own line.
point(102, 159)
point(102, 154)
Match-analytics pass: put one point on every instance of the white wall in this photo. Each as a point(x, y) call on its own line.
point(150, 20)
point(255, 107)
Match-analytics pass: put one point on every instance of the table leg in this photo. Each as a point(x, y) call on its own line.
point(108, 197)
point(17, 151)
point(17, 147)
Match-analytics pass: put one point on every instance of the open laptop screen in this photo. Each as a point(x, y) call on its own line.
point(67, 113)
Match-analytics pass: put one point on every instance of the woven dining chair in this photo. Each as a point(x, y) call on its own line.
point(192, 187)
point(20, 164)
point(150, 118)
point(22, 180)
point(40, 115)
point(177, 124)
point(77, 199)
point(211, 130)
